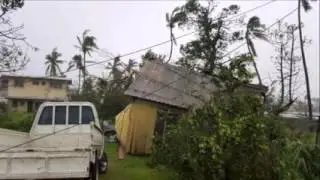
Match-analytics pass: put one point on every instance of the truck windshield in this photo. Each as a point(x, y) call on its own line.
point(46, 116)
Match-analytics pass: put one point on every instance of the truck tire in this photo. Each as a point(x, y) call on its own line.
point(103, 164)
point(94, 170)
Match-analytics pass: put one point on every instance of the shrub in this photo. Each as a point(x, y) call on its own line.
point(20, 121)
point(229, 138)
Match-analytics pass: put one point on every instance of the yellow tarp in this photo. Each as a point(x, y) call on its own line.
point(135, 127)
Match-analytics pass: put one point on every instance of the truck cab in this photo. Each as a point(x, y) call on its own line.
point(65, 141)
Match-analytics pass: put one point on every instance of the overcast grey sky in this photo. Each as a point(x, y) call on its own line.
point(124, 26)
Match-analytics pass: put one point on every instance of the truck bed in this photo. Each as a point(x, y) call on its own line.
point(9, 138)
point(48, 163)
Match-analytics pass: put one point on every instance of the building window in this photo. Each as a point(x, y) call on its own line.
point(21, 103)
point(35, 82)
point(19, 82)
point(43, 83)
point(14, 103)
point(4, 83)
point(56, 84)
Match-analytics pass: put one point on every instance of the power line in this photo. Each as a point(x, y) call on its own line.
point(168, 41)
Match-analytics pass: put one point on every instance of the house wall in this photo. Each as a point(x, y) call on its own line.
point(165, 114)
point(41, 90)
point(22, 105)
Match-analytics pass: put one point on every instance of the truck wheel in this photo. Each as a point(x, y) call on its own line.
point(103, 164)
point(94, 170)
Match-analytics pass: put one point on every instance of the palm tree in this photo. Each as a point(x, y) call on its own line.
point(53, 62)
point(77, 63)
point(254, 29)
point(86, 45)
point(306, 6)
point(171, 19)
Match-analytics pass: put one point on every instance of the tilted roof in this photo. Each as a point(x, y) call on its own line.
point(176, 86)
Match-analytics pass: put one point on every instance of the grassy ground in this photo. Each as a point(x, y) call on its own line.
point(131, 168)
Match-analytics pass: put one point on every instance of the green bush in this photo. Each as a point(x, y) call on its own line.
point(20, 121)
point(229, 138)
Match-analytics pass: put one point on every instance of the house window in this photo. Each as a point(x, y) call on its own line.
point(35, 82)
point(19, 82)
point(21, 103)
point(4, 83)
point(56, 84)
point(14, 103)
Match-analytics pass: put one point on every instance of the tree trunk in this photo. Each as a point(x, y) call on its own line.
point(304, 63)
point(281, 75)
point(171, 47)
point(254, 64)
point(291, 65)
point(84, 69)
point(79, 88)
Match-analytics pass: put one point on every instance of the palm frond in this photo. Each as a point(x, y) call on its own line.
point(91, 61)
point(60, 61)
point(79, 41)
point(306, 5)
point(85, 32)
point(167, 18)
point(70, 67)
point(261, 36)
point(47, 69)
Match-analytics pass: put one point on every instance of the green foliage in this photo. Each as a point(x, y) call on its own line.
point(229, 139)
point(20, 121)
point(214, 34)
point(226, 139)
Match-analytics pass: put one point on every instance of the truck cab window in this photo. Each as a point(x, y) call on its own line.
point(60, 115)
point(73, 115)
point(87, 115)
point(46, 116)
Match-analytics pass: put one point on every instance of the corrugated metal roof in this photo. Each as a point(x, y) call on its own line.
point(187, 88)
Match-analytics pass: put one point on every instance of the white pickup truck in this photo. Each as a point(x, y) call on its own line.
point(65, 141)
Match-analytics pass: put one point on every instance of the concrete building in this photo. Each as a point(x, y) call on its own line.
point(26, 93)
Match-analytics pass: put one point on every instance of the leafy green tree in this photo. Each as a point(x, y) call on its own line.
point(214, 34)
point(53, 63)
point(306, 6)
point(86, 44)
point(254, 29)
